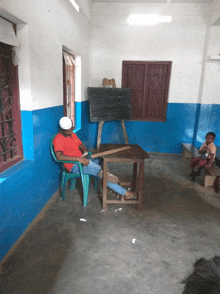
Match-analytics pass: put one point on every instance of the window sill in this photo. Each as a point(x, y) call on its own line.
point(11, 162)
point(14, 169)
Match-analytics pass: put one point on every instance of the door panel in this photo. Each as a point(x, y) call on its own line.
point(135, 82)
point(156, 92)
point(155, 106)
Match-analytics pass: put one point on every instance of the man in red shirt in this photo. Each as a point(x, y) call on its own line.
point(67, 146)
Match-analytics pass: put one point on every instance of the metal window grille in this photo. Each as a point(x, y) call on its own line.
point(8, 146)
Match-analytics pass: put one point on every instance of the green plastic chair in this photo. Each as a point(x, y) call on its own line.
point(66, 176)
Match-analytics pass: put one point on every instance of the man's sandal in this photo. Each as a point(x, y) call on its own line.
point(132, 198)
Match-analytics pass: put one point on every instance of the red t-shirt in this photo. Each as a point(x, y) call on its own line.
point(69, 146)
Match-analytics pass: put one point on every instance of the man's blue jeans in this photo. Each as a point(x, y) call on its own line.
point(93, 169)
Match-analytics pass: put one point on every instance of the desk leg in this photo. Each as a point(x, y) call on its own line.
point(140, 184)
point(104, 196)
point(134, 183)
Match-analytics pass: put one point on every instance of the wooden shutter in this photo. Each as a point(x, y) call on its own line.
point(149, 85)
point(10, 117)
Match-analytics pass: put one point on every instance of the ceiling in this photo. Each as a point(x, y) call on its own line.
point(155, 1)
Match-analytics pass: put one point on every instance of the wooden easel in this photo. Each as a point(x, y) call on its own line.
point(101, 123)
point(111, 83)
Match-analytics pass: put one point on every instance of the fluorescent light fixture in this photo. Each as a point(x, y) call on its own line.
point(75, 5)
point(147, 19)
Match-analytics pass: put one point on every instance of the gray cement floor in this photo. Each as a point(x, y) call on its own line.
point(180, 223)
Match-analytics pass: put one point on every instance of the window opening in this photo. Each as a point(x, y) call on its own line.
point(69, 86)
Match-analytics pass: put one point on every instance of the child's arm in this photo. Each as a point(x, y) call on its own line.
point(211, 160)
point(203, 149)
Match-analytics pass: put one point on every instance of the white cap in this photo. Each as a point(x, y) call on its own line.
point(65, 123)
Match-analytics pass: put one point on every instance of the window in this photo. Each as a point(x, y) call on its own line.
point(10, 118)
point(69, 86)
point(149, 85)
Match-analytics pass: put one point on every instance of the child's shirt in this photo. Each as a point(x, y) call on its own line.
point(211, 149)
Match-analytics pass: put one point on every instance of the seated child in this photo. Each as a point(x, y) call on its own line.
point(207, 151)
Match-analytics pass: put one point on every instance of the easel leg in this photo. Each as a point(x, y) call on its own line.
point(124, 131)
point(99, 135)
point(104, 196)
point(99, 138)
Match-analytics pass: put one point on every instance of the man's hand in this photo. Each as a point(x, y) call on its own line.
point(84, 161)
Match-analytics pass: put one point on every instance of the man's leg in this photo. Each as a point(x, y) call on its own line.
point(94, 169)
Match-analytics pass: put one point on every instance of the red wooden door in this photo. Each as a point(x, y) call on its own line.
point(149, 85)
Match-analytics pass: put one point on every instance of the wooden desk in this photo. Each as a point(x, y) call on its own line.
point(136, 155)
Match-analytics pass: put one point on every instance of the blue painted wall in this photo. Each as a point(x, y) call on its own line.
point(151, 136)
point(27, 186)
point(185, 123)
point(208, 121)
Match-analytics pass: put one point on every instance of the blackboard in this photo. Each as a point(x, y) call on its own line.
point(109, 104)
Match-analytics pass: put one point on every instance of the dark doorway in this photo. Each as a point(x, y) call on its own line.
point(149, 85)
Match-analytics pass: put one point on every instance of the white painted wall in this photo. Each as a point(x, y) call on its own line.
point(216, 12)
point(49, 26)
point(211, 82)
point(181, 41)
point(85, 7)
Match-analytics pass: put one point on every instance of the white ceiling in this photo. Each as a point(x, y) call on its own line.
point(155, 1)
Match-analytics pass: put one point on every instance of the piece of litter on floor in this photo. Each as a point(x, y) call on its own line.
point(83, 220)
point(120, 209)
point(129, 189)
point(116, 210)
point(134, 240)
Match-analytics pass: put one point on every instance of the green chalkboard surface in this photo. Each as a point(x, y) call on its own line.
point(109, 104)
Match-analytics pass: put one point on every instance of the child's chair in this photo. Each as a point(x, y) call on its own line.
point(66, 176)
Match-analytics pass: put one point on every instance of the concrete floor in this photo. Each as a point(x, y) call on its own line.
point(180, 223)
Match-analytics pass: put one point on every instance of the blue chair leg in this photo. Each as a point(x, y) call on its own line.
point(96, 183)
point(72, 184)
point(85, 182)
point(63, 186)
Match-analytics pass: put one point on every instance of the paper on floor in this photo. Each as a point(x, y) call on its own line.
point(83, 220)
